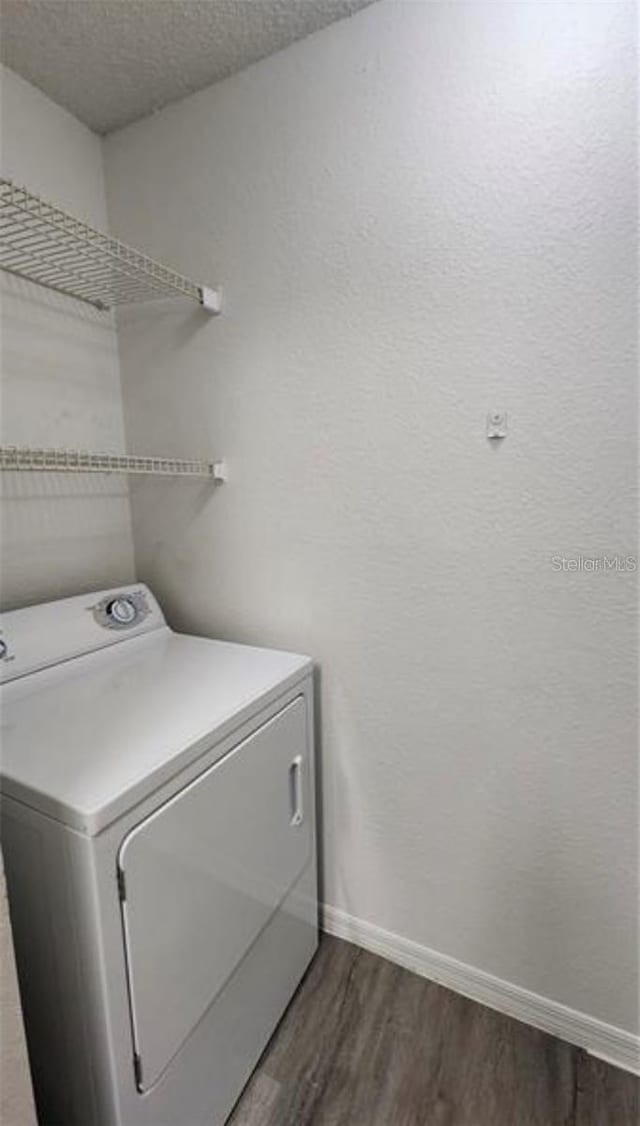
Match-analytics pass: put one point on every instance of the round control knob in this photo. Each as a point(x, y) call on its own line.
point(3, 649)
point(122, 611)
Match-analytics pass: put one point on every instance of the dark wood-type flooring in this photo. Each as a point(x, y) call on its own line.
point(365, 1043)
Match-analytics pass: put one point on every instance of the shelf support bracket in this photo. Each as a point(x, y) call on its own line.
point(211, 300)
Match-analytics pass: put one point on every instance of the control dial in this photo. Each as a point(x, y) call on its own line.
point(122, 611)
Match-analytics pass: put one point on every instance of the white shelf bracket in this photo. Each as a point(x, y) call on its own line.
point(211, 300)
point(220, 472)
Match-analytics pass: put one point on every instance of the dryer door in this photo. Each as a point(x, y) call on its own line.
point(202, 876)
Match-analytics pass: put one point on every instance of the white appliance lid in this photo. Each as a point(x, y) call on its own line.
point(86, 740)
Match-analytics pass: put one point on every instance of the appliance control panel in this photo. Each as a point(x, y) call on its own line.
point(122, 610)
point(41, 636)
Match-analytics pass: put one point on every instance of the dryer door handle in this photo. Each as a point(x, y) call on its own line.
point(296, 808)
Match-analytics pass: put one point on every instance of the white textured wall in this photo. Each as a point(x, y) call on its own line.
point(60, 377)
point(418, 215)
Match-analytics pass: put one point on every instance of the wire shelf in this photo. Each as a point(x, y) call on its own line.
point(46, 245)
point(21, 458)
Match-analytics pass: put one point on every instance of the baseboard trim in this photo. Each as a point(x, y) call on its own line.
point(612, 1044)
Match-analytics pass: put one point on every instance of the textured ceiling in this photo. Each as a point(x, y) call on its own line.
point(112, 61)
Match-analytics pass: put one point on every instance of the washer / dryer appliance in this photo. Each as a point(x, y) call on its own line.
point(158, 835)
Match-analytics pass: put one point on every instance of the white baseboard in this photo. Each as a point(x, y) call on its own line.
point(612, 1044)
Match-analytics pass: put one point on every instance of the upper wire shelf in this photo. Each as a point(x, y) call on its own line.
point(46, 245)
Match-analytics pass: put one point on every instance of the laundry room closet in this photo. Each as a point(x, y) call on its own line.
point(319, 327)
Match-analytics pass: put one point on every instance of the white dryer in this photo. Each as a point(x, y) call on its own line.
point(158, 835)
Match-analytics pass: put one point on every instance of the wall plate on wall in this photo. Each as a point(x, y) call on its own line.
point(497, 424)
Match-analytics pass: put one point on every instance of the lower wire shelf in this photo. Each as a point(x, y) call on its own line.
point(25, 458)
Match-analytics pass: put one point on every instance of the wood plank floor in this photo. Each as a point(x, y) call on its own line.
point(365, 1043)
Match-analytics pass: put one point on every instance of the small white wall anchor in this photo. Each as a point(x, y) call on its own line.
point(497, 424)
point(220, 472)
